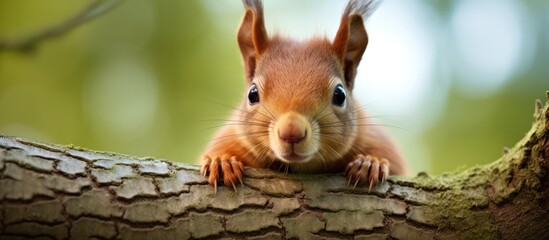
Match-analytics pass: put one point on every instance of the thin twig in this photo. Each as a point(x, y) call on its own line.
point(95, 9)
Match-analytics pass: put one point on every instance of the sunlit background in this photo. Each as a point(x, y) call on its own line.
point(455, 81)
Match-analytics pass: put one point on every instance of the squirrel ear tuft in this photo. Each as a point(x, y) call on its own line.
point(351, 39)
point(252, 36)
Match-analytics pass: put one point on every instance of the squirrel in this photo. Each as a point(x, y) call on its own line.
point(299, 112)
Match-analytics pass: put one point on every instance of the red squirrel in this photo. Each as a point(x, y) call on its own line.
point(299, 113)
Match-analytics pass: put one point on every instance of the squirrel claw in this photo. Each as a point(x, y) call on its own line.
point(370, 187)
point(356, 183)
point(240, 180)
point(204, 168)
point(225, 167)
point(367, 168)
point(384, 172)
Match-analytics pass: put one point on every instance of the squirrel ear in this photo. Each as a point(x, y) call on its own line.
point(349, 45)
point(252, 36)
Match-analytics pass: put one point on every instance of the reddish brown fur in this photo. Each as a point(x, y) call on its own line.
point(302, 64)
point(296, 80)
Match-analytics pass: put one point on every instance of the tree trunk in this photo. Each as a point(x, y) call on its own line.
point(61, 192)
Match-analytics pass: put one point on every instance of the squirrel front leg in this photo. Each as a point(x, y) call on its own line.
point(378, 158)
point(367, 168)
point(224, 159)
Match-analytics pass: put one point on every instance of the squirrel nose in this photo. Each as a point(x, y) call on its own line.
point(292, 134)
point(292, 128)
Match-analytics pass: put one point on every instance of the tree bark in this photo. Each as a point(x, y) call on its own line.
point(50, 191)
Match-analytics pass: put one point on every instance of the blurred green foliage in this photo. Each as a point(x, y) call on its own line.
point(155, 77)
point(46, 93)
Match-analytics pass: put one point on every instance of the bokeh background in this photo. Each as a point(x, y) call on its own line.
point(454, 81)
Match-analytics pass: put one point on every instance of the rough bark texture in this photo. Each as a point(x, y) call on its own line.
point(61, 192)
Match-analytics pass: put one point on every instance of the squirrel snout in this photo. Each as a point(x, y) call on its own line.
point(292, 128)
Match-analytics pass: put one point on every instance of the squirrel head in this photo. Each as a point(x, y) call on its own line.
point(299, 103)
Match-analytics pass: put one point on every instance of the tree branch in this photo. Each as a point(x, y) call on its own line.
point(95, 9)
point(68, 192)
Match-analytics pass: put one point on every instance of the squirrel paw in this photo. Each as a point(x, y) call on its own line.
point(368, 168)
point(225, 167)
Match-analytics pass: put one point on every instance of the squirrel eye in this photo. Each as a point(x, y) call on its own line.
point(253, 95)
point(339, 96)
